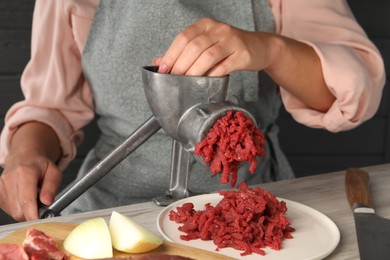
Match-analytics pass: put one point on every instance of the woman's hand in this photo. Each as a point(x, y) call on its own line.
point(19, 183)
point(30, 166)
point(212, 48)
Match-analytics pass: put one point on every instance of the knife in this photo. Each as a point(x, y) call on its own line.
point(372, 231)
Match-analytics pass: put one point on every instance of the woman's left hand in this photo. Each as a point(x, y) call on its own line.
point(212, 48)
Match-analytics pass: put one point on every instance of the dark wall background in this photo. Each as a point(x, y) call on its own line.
point(310, 151)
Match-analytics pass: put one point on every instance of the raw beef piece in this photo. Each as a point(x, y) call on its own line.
point(40, 246)
point(11, 251)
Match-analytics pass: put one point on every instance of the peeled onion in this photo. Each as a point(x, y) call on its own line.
point(90, 240)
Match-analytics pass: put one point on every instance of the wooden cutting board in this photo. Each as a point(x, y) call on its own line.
point(59, 230)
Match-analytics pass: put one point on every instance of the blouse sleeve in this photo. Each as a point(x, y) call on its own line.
point(53, 84)
point(352, 66)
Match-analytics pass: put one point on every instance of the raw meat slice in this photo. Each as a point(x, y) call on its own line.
point(12, 251)
point(39, 246)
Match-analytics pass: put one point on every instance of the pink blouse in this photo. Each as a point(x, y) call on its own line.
point(57, 94)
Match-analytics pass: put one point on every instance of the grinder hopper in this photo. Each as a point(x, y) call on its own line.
point(185, 107)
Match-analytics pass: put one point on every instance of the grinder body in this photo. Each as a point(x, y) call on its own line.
point(185, 107)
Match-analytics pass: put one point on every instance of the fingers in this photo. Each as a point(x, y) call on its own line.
point(179, 44)
point(209, 47)
point(157, 61)
point(225, 67)
point(27, 193)
point(9, 199)
point(19, 188)
point(50, 185)
point(16, 200)
point(202, 51)
point(3, 195)
point(208, 60)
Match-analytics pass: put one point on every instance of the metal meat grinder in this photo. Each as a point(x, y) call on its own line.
point(185, 107)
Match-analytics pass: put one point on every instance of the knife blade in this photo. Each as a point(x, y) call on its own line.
point(372, 231)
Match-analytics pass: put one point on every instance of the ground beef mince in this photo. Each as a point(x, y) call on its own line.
point(233, 139)
point(246, 219)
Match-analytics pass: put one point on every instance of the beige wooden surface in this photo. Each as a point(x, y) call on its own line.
point(324, 192)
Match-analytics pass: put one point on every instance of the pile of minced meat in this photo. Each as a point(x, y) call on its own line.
point(247, 219)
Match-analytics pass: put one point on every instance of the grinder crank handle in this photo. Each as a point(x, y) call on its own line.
point(357, 188)
point(138, 137)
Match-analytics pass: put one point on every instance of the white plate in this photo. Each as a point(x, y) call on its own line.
point(315, 235)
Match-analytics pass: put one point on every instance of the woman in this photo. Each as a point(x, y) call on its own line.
point(86, 59)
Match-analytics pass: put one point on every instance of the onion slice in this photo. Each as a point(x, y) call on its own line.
point(131, 237)
point(90, 240)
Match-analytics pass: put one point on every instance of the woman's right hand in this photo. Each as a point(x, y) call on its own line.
point(19, 182)
point(30, 173)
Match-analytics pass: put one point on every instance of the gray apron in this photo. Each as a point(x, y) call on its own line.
point(128, 34)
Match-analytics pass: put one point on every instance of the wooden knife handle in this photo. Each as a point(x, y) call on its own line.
point(357, 187)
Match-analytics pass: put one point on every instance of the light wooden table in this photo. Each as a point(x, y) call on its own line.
point(324, 192)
